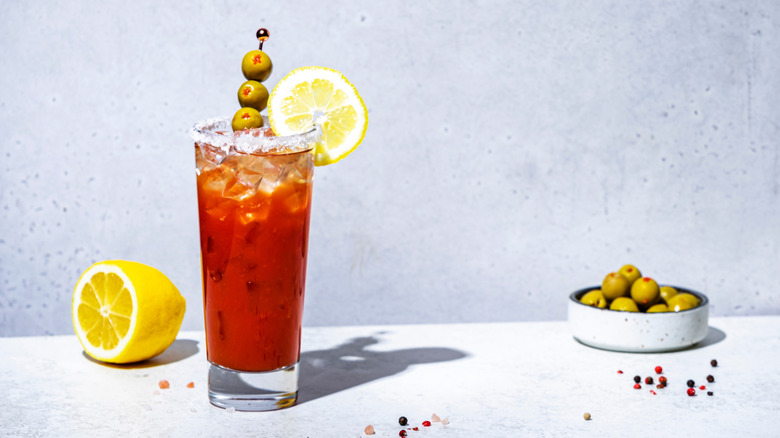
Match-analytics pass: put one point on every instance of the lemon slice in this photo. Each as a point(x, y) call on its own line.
point(125, 311)
point(320, 96)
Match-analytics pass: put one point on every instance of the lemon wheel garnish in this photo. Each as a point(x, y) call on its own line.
point(310, 96)
point(125, 311)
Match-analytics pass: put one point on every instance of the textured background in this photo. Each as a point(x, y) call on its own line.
point(516, 151)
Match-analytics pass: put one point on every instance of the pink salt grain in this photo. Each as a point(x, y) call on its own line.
point(435, 418)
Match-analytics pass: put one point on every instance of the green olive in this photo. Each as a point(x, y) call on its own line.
point(631, 272)
point(624, 304)
point(247, 118)
point(256, 66)
point(667, 292)
point(690, 298)
point(594, 298)
point(615, 285)
point(679, 303)
point(658, 308)
point(253, 94)
point(645, 292)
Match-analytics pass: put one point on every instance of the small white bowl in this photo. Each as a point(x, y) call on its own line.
point(637, 332)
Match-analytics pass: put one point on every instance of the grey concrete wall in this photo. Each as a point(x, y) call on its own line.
point(516, 151)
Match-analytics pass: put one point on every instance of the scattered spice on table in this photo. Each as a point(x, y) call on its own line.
point(369, 430)
point(163, 384)
point(586, 416)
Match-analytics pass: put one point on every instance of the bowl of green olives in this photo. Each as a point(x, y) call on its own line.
point(632, 313)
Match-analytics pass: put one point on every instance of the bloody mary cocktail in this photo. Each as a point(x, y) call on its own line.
point(254, 201)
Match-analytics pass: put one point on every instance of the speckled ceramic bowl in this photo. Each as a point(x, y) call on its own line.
point(638, 332)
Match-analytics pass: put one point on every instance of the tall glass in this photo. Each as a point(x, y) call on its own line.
point(254, 200)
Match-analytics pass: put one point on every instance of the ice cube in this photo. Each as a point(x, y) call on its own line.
point(255, 212)
point(296, 202)
point(211, 154)
point(238, 189)
point(216, 178)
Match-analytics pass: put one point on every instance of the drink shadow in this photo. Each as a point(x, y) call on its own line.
point(180, 349)
point(326, 372)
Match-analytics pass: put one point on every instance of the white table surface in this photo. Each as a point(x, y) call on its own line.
point(495, 379)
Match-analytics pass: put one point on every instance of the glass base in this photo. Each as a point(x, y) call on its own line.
point(253, 391)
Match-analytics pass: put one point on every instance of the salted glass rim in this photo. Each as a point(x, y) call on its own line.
point(217, 132)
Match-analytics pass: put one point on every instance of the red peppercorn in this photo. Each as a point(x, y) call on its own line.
point(691, 391)
point(426, 423)
point(649, 380)
point(702, 387)
point(659, 370)
point(637, 386)
point(662, 379)
point(415, 428)
point(402, 433)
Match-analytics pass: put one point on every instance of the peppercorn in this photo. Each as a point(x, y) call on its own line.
point(637, 386)
point(659, 370)
point(637, 379)
point(586, 416)
point(710, 378)
point(649, 380)
point(691, 384)
point(659, 386)
point(403, 421)
point(709, 393)
point(402, 433)
point(714, 362)
point(662, 379)
point(691, 392)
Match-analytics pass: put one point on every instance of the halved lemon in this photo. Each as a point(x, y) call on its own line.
point(125, 311)
point(310, 96)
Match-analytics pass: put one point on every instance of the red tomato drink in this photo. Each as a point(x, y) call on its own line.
point(254, 225)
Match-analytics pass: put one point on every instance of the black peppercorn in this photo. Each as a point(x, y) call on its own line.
point(709, 392)
point(710, 378)
point(714, 362)
point(649, 380)
point(403, 421)
point(691, 384)
point(637, 379)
